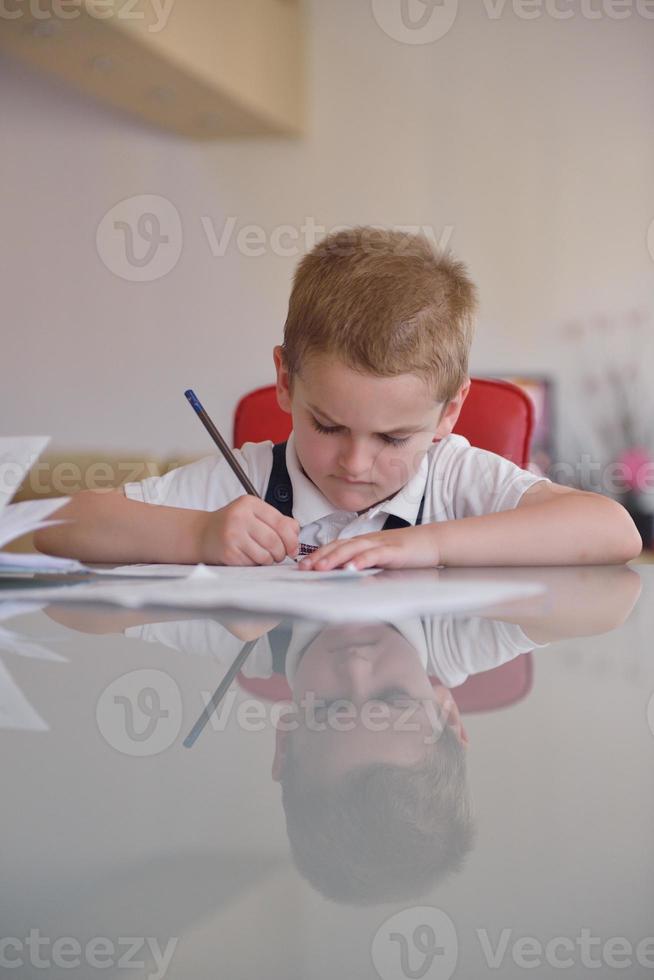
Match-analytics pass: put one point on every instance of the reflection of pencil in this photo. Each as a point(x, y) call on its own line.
point(194, 401)
point(220, 693)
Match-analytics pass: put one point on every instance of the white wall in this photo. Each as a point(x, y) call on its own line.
point(532, 139)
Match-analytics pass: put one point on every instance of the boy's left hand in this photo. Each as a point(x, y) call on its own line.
point(407, 547)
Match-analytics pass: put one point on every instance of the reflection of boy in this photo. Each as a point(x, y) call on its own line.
point(376, 811)
point(376, 806)
point(451, 648)
point(378, 816)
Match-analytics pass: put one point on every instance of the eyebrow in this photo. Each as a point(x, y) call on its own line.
point(391, 432)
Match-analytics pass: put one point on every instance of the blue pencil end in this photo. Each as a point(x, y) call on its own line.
point(193, 399)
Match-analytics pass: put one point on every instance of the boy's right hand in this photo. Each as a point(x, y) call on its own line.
point(248, 531)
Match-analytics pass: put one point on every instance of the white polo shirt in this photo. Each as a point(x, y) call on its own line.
point(457, 480)
point(451, 648)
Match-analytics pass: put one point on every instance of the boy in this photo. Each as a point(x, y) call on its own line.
point(374, 371)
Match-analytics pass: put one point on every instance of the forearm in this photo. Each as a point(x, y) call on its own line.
point(575, 529)
point(578, 601)
point(108, 527)
point(106, 619)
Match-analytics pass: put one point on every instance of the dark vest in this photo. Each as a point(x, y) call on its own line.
point(280, 496)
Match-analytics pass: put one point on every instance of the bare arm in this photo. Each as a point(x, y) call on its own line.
point(105, 619)
point(552, 525)
point(106, 526)
point(109, 527)
point(580, 601)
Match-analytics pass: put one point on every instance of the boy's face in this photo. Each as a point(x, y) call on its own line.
point(360, 438)
point(348, 671)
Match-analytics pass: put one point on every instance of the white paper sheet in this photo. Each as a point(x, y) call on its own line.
point(372, 598)
point(17, 643)
point(16, 713)
point(286, 571)
point(28, 516)
point(13, 563)
point(17, 456)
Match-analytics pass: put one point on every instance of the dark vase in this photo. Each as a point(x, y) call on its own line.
point(644, 520)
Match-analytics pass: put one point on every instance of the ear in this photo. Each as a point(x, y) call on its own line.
point(451, 713)
point(451, 412)
point(283, 381)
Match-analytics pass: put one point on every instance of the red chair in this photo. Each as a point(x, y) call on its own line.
point(496, 415)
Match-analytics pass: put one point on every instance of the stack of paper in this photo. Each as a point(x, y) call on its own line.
point(17, 456)
point(344, 597)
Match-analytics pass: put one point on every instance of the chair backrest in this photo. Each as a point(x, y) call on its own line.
point(496, 415)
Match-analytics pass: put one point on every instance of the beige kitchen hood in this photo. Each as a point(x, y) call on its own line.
point(202, 68)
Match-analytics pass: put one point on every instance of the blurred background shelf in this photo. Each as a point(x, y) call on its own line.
point(205, 69)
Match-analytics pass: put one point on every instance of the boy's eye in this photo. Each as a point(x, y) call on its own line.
point(330, 430)
point(323, 428)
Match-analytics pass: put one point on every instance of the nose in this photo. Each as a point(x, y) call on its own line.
point(355, 459)
point(355, 670)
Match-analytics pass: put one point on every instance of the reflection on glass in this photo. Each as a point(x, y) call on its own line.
point(370, 749)
point(376, 801)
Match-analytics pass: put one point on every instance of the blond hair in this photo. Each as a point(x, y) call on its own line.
point(382, 833)
point(384, 303)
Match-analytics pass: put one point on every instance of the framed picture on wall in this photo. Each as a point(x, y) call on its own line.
point(540, 390)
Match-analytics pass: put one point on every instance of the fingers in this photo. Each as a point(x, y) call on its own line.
point(377, 557)
point(341, 553)
point(289, 531)
point(267, 539)
point(255, 531)
point(286, 528)
point(260, 554)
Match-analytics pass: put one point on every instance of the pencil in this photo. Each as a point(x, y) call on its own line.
point(195, 404)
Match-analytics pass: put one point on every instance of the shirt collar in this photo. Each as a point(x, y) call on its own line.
point(310, 505)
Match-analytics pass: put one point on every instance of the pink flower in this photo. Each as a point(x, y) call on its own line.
point(638, 467)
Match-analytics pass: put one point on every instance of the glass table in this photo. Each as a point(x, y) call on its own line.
point(231, 796)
